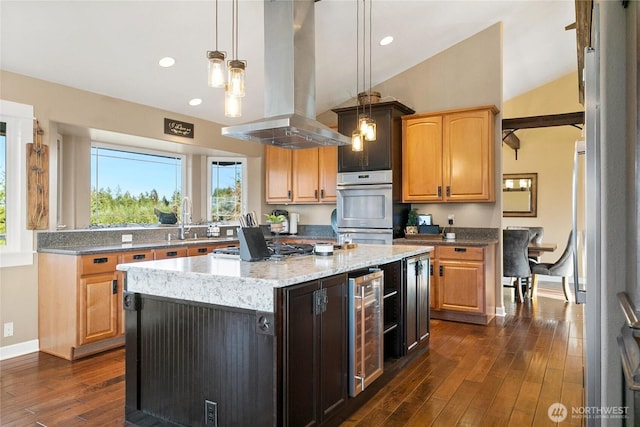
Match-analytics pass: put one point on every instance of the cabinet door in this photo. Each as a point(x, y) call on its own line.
point(98, 311)
point(375, 155)
point(305, 175)
point(328, 173)
point(301, 356)
point(423, 298)
point(461, 286)
point(422, 159)
point(434, 301)
point(277, 174)
point(411, 305)
point(468, 156)
point(333, 346)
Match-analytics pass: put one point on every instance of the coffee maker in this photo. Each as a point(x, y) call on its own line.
point(285, 224)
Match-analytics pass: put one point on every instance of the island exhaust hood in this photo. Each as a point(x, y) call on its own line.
point(290, 84)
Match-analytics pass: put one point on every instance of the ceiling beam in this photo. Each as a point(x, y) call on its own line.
point(565, 119)
point(510, 138)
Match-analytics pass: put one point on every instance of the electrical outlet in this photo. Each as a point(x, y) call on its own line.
point(8, 329)
point(210, 413)
point(230, 232)
point(127, 238)
point(451, 217)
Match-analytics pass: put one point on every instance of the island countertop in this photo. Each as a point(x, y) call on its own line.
point(231, 282)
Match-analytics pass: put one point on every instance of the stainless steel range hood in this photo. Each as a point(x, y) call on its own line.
point(290, 84)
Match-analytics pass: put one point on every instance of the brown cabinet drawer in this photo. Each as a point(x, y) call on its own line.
point(171, 253)
point(137, 256)
point(204, 249)
point(461, 252)
point(100, 263)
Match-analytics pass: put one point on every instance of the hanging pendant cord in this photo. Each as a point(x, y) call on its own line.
point(370, 53)
point(216, 25)
point(357, 60)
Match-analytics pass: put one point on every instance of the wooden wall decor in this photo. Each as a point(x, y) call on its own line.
point(37, 181)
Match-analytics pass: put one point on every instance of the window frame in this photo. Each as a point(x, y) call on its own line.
point(19, 249)
point(244, 186)
point(136, 150)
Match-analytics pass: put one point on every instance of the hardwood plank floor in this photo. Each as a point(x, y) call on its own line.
point(505, 374)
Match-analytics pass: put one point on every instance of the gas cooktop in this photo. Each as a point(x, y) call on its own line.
point(282, 249)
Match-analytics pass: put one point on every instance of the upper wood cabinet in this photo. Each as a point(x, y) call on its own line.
point(301, 176)
point(449, 156)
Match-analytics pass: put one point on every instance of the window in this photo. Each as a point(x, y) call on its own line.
point(17, 130)
point(130, 187)
point(227, 189)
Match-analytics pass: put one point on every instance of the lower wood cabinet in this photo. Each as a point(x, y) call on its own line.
point(315, 365)
point(463, 286)
point(417, 301)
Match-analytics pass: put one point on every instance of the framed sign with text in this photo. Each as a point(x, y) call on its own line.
point(178, 128)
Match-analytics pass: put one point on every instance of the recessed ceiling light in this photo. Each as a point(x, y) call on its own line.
point(386, 40)
point(167, 61)
point(195, 101)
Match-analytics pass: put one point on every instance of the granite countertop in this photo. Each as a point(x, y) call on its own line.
point(437, 240)
point(223, 280)
point(126, 247)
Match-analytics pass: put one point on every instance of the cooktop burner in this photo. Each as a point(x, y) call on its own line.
point(284, 249)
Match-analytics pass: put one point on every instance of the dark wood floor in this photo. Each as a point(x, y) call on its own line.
point(506, 373)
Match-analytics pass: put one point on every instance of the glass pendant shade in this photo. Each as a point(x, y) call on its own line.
point(370, 132)
point(236, 77)
point(232, 104)
point(356, 141)
point(363, 121)
point(217, 72)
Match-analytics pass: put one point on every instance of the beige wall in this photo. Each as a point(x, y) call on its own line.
point(549, 153)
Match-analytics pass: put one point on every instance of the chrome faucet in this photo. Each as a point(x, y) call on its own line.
point(185, 217)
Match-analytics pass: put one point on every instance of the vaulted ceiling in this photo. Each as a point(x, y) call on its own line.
point(113, 47)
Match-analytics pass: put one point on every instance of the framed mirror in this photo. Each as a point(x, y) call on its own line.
point(519, 194)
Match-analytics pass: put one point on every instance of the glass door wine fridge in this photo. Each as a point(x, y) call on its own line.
point(366, 317)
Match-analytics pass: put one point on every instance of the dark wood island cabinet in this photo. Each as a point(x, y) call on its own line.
point(225, 342)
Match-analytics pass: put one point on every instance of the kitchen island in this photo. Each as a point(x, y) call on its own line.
point(218, 340)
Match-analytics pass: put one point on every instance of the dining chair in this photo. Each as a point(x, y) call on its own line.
point(535, 235)
point(563, 267)
point(515, 261)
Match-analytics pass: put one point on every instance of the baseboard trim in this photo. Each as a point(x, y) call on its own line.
point(501, 312)
point(14, 350)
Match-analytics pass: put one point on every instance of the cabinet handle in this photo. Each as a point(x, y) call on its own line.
point(430, 269)
point(439, 191)
point(172, 253)
point(315, 194)
point(202, 250)
point(139, 256)
point(114, 287)
point(288, 194)
point(100, 260)
point(441, 271)
point(460, 249)
point(448, 191)
point(322, 193)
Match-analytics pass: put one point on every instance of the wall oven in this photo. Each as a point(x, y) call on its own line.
point(365, 207)
point(366, 329)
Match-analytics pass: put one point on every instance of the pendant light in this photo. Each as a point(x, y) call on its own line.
point(366, 126)
point(236, 66)
point(216, 70)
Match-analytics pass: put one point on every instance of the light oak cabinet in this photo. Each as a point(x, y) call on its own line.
point(463, 283)
point(305, 176)
point(80, 298)
point(79, 304)
point(449, 156)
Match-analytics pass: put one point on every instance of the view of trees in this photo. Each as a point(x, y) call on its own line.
point(116, 208)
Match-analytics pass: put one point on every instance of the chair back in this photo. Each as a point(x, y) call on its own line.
point(535, 233)
point(564, 265)
point(515, 261)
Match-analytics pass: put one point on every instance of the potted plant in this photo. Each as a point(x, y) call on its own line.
point(275, 222)
point(412, 222)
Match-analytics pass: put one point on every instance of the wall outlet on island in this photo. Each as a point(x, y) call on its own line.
point(210, 413)
point(127, 238)
point(230, 232)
